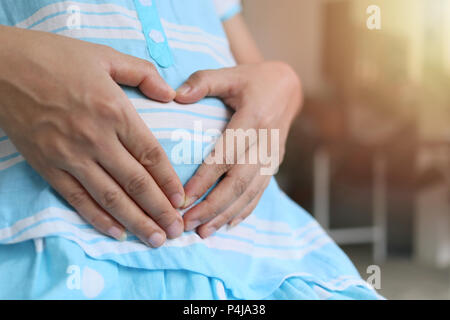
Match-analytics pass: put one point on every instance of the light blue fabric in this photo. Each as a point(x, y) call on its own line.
point(47, 251)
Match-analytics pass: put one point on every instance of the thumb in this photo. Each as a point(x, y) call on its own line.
point(221, 83)
point(134, 72)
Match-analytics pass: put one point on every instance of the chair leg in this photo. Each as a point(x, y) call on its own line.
point(379, 209)
point(321, 178)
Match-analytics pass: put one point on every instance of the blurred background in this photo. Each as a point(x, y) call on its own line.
point(369, 156)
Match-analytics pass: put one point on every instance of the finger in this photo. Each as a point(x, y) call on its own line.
point(231, 188)
point(135, 72)
point(110, 196)
point(140, 186)
point(140, 142)
point(217, 83)
point(254, 189)
point(247, 211)
point(81, 201)
point(250, 207)
point(223, 157)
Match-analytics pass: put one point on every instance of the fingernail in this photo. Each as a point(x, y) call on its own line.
point(156, 240)
point(234, 223)
point(175, 229)
point(117, 234)
point(190, 201)
point(191, 225)
point(184, 89)
point(177, 200)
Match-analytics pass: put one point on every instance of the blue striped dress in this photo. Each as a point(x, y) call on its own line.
point(48, 252)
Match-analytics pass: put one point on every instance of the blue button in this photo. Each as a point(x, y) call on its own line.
point(155, 36)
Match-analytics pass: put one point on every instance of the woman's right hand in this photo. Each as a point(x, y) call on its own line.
point(62, 107)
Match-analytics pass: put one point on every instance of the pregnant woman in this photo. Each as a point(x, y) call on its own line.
point(93, 200)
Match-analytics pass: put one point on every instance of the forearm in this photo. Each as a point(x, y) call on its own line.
point(243, 45)
point(246, 51)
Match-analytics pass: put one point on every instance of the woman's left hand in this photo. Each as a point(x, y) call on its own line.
point(264, 96)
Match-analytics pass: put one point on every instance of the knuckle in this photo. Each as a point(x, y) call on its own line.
point(211, 210)
point(240, 184)
point(290, 76)
point(197, 76)
point(164, 217)
point(76, 165)
point(137, 185)
point(106, 50)
point(56, 149)
point(170, 183)
point(110, 199)
point(221, 169)
point(252, 194)
point(108, 108)
point(228, 159)
point(151, 157)
point(102, 101)
point(77, 198)
point(149, 67)
point(83, 130)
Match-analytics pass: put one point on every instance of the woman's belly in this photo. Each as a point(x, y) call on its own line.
point(186, 132)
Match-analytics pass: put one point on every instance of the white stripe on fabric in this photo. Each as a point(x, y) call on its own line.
point(322, 293)
point(146, 104)
point(216, 242)
point(192, 29)
point(7, 148)
point(281, 227)
point(102, 34)
point(111, 20)
point(330, 285)
point(170, 135)
point(11, 162)
point(48, 213)
point(260, 225)
point(220, 290)
point(203, 49)
point(115, 22)
point(37, 227)
point(61, 7)
point(222, 49)
point(100, 248)
point(180, 121)
point(177, 117)
point(39, 245)
point(273, 240)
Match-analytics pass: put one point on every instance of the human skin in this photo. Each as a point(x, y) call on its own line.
point(80, 139)
point(264, 95)
point(63, 109)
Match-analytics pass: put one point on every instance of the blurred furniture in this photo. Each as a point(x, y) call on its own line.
point(432, 220)
point(370, 75)
point(376, 233)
